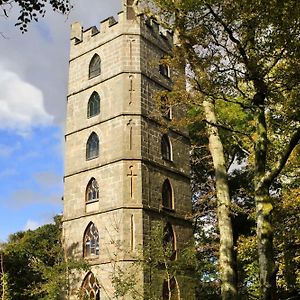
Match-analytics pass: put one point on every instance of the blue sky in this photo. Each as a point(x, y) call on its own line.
point(33, 88)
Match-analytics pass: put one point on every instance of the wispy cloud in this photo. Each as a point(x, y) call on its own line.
point(7, 150)
point(21, 104)
point(48, 179)
point(24, 197)
point(31, 224)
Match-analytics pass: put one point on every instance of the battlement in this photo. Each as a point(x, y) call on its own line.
point(110, 27)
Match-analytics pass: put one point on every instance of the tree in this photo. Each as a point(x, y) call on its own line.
point(35, 265)
point(245, 57)
point(31, 9)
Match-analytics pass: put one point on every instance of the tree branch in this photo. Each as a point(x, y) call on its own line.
point(272, 174)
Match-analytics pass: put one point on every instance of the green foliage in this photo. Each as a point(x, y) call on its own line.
point(35, 263)
point(31, 9)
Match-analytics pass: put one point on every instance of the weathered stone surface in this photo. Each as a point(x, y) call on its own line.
point(130, 169)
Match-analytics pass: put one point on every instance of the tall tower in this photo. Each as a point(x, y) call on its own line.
point(124, 173)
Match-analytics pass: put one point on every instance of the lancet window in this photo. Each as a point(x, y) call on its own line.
point(166, 150)
point(170, 291)
point(95, 66)
point(169, 242)
point(167, 194)
point(92, 146)
point(93, 105)
point(91, 241)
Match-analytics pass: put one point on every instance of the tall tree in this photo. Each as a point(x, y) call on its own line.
point(245, 55)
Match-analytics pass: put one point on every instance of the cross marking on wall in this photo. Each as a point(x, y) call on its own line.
point(131, 176)
point(131, 89)
point(129, 124)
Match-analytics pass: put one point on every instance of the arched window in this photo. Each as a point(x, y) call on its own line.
point(164, 70)
point(167, 194)
point(90, 289)
point(95, 66)
point(166, 151)
point(93, 105)
point(91, 241)
point(165, 108)
point(169, 242)
point(92, 190)
point(170, 287)
point(92, 146)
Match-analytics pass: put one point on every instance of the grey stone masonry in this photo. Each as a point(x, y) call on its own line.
point(129, 168)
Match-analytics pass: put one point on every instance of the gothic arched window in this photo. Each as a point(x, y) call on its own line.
point(93, 105)
point(92, 146)
point(90, 289)
point(167, 194)
point(166, 151)
point(92, 190)
point(169, 242)
point(91, 241)
point(95, 66)
point(165, 108)
point(170, 287)
point(164, 70)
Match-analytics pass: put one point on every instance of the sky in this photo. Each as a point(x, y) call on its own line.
point(33, 89)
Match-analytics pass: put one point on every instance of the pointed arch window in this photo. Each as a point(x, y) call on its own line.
point(164, 70)
point(90, 288)
point(169, 242)
point(166, 150)
point(92, 191)
point(91, 241)
point(167, 194)
point(92, 146)
point(170, 291)
point(95, 66)
point(93, 105)
point(165, 108)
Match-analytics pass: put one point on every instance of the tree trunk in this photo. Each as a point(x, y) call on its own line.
point(267, 269)
point(226, 254)
point(264, 208)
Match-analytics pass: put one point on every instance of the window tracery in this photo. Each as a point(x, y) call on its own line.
point(90, 289)
point(92, 190)
point(91, 241)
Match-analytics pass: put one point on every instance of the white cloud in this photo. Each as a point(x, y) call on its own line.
point(30, 224)
point(48, 179)
point(24, 197)
point(21, 104)
point(7, 150)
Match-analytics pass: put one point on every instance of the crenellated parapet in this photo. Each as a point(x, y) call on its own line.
point(83, 40)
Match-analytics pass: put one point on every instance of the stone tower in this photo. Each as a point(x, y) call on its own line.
point(124, 173)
